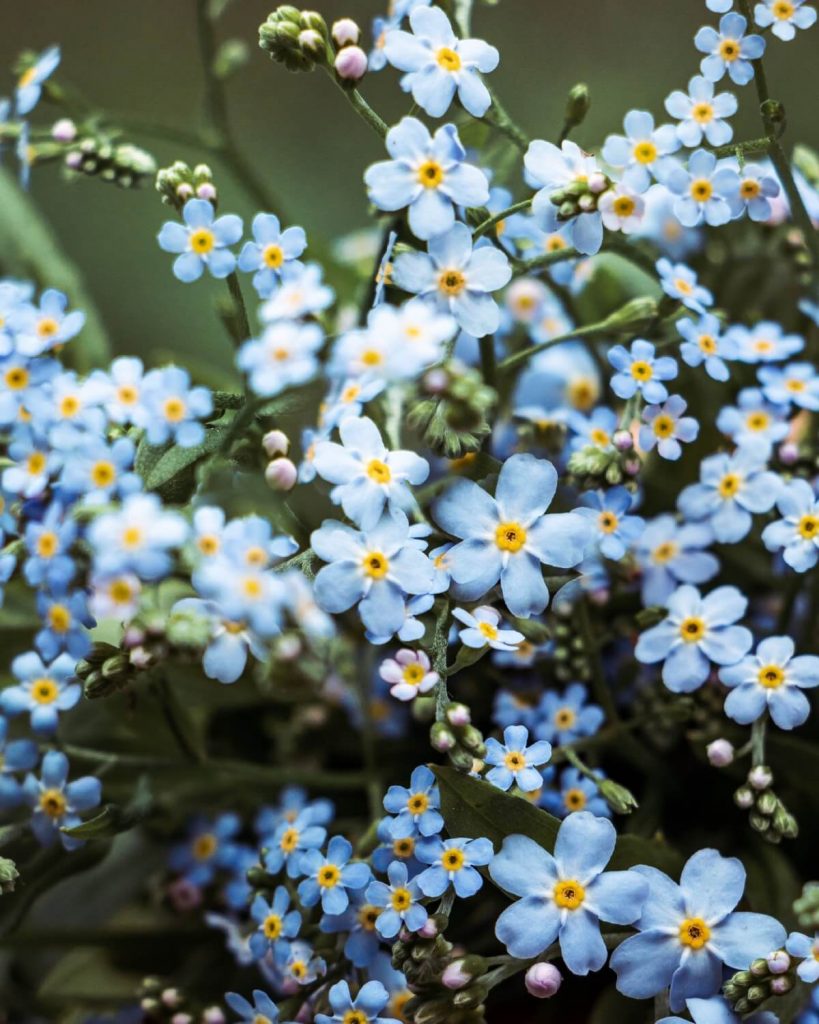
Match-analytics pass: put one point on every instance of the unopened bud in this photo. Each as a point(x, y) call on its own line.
point(598, 183)
point(760, 777)
point(8, 874)
point(429, 929)
point(64, 130)
point(758, 994)
point(345, 32)
point(767, 803)
point(311, 42)
point(720, 753)
point(441, 737)
point(276, 442)
point(543, 980)
point(778, 962)
point(351, 64)
point(744, 798)
point(577, 105)
point(620, 799)
point(623, 441)
point(779, 986)
point(213, 1015)
point(281, 475)
point(171, 998)
point(458, 714)
point(788, 453)
point(759, 967)
point(207, 190)
point(461, 973)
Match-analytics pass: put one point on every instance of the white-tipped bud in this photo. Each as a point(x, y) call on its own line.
point(788, 453)
point(311, 41)
point(206, 191)
point(760, 777)
point(351, 63)
point(598, 183)
point(276, 442)
point(543, 980)
point(623, 441)
point(436, 381)
point(455, 977)
point(345, 32)
point(720, 753)
point(781, 985)
point(778, 962)
point(64, 130)
point(281, 475)
point(458, 715)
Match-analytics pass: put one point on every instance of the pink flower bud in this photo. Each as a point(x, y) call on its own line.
point(184, 190)
point(455, 977)
point(64, 130)
point(778, 962)
point(436, 381)
point(184, 895)
point(73, 160)
point(597, 183)
point(276, 442)
point(429, 929)
point(788, 453)
point(181, 1018)
point(760, 777)
point(207, 190)
point(281, 475)
point(351, 63)
point(345, 32)
point(288, 648)
point(632, 466)
point(213, 1015)
point(170, 998)
point(543, 980)
point(458, 714)
point(720, 753)
point(623, 441)
point(781, 985)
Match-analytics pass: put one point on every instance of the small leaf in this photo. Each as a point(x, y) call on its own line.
point(113, 819)
point(474, 808)
point(172, 473)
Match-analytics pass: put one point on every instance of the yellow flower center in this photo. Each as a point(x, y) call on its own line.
point(204, 846)
point(417, 803)
point(554, 243)
point(692, 629)
point(582, 393)
point(367, 916)
point(645, 152)
point(398, 1003)
point(729, 50)
point(641, 370)
point(452, 860)
point(120, 591)
point(328, 876)
point(69, 406)
point(371, 357)
point(256, 555)
point(131, 537)
point(702, 113)
point(808, 527)
point(565, 718)
point(252, 587)
point(771, 677)
point(16, 378)
point(664, 552)
point(59, 618)
point(448, 59)
point(403, 847)
point(701, 189)
point(272, 926)
point(574, 799)
point(451, 282)
point(401, 899)
point(103, 473)
point(783, 9)
point(376, 565)
point(694, 932)
point(208, 544)
point(413, 674)
point(569, 894)
point(683, 287)
point(795, 385)
point(44, 690)
point(763, 346)
point(514, 761)
point(47, 327)
point(127, 394)
point(510, 536)
point(173, 409)
point(378, 471)
point(202, 241)
point(707, 343)
point(600, 437)
point(749, 188)
point(53, 803)
point(298, 969)
point(289, 840)
point(430, 174)
point(273, 256)
point(35, 463)
point(608, 522)
point(729, 485)
point(488, 630)
point(758, 421)
point(27, 77)
point(623, 206)
point(47, 544)
point(663, 426)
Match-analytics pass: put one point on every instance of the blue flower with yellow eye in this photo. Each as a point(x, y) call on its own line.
point(366, 1008)
point(551, 169)
point(688, 931)
point(565, 896)
point(437, 64)
point(753, 420)
point(261, 1009)
point(729, 49)
point(174, 409)
point(670, 553)
point(291, 838)
point(771, 680)
point(416, 806)
point(98, 471)
point(701, 115)
point(615, 531)
point(784, 19)
point(66, 621)
point(276, 924)
point(704, 189)
point(452, 862)
point(328, 877)
point(576, 793)
point(565, 717)
point(665, 427)
point(807, 949)
point(270, 251)
point(717, 1010)
point(15, 756)
point(638, 369)
point(756, 188)
point(30, 84)
point(48, 543)
point(56, 803)
point(515, 763)
point(680, 282)
point(641, 151)
point(765, 342)
point(210, 846)
point(38, 329)
point(704, 344)
point(796, 383)
point(357, 923)
point(202, 241)
point(399, 902)
point(796, 534)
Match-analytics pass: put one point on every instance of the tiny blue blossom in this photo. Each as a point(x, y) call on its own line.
point(753, 420)
point(705, 344)
point(416, 807)
point(807, 949)
point(515, 763)
point(277, 924)
point(483, 629)
point(771, 679)
point(701, 114)
point(729, 49)
point(796, 383)
point(173, 409)
point(270, 251)
point(56, 803)
point(283, 357)
point(399, 900)
point(796, 534)
point(261, 1009)
point(703, 189)
point(329, 877)
point(576, 793)
point(565, 717)
point(43, 691)
point(366, 1008)
point(291, 838)
point(551, 169)
point(452, 862)
point(638, 369)
point(137, 538)
point(665, 427)
point(756, 189)
point(210, 846)
point(680, 282)
point(765, 342)
point(641, 151)
point(202, 241)
point(670, 553)
point(39, 329)
point(66, 621)
point(30, 84)
point(784, 19)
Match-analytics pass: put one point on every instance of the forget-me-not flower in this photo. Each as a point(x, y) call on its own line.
point(729, 49)
point(56, 802)
point(670, 553)
point(665, 426)
point(565, 717)
point(452, 862)
point(514, 762)
point(797, 532)
point(703, 190)
point(366, 1008)
point(30, 84)
point(400, 901)
point(615, 531)
point(329, 877)
point(638, 369)
point(680, 282)
point(701, 114)
point(202, 241)
point(704, 343)
point(270, 251)
point(641, 151)
point(784, 17)
point(773, 679)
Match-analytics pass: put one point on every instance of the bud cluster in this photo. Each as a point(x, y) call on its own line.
point(178, 183)
point(569, 654)
point(807, 906)
point(453, 420)
point(122, 164)
point(165, 1004)
point(298, 39)
point(773, 975)
point(580, 196)
point(766, 812)
point(596, 467)
point(457, 737)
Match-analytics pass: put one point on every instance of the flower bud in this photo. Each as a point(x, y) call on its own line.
point(620, 799)
point(623, 441)
point(345, 32)
point(543, 980)
point(460, 973)
point(429, 930)
point(351, 64)
point(213, 1015)
point(276, 442)
point(206, 190)
point(311, 42)
point(788, 453)
point(757, 994)
point(8, 874)
point(744, 798)
point(171, 998)
point(64, 130)
point(759, 967)
point(767, 803)
point(760, 777)
point(598, 183)
point(781, 985)
point(778, 962)
point(281, 475)
point(458, 714)
point(181, 1018)
point(441, 737)
point(720, 753)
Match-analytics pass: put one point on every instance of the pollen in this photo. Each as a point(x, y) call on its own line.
point(401, 899)
point(515, 761)
point(452, 860)
point(758, 421)
point(413, 674)
point(417, 803)
point(448, 59)
point(53, 803)
point(623, 206)
point(36, 463)
point(16, 378)
point(641, 370)
point(202, 241)
point(488, 631)
point(430, 174)
point(608, 522)
point(645, 152)
point(808, 527)
point(173, 409)
point(694, 932)
point(730, 485)
point(329, 876)
point(120, 591)
point(372, 357)
point(683, 287)
point(252, 587)
point(208, 544)
point(44, 690)
point(692, 630)
point(783, 10)
point(350, 394)
point(376, 565)
point(273, 256)
point(795, 385)
point(574, 799)
point(131, 537)
point(600, 437)
point(510, 536)
point(47, 327)
point(127, 394)
point(378, 471)
point(569, 894)
point(256, 555)
point(771, 677)
point(451, 282)
point(701, 190)
point(59, 618)
point(663, 426)
point(403, 847)
point(48, 544)
point(103, 473)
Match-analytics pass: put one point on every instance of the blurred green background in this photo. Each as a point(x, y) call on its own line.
point(141, 59)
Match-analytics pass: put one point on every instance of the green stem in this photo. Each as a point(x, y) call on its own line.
point(440, 642)
point(590, 331)
point(758, 732)
point(489, 365)
point(242, 323)
point(496, 218)
point(583, 768)
point(498, 117)
point(360, 105)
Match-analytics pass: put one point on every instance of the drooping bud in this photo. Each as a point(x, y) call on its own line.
point(577, 106)
point(720, 753)
point(543, 980)
point(760, 777)
point(351, 64)
point(620, 799)
point(64, 130)
point(778, 962)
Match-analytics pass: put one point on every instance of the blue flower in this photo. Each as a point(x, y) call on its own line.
point(665, 426)
point(365, 1008)
point(697, 631)
point(416, 806)
point(48, 543)
point(701, 114)
point(276, 924)
point(459, 278)
point(292, 801)
point(717, 1010)
point(362, 944)
point(731, 487)
point(703, 344)
point(797, 532)
point(507, 537)
point(482, 630)
point(704, 190)
point(369, 478)
point(30, 84)
point(39, 329)
point(565, 717)
point(136, 538)
point(284, 356)
point(400, 900)
point(15, 756)
point(374, 569)
point(615, 531)
point(43, 690)
point(173, 408)
point(301, 967)
point(688, 931)
point(551, 170)
point(596, 429)
point(756, 189)
point(670, 554)
point(753, 420)
point(639, 370)
point(785, 18)
point(729, 49)
point(261, 1009)
point(395, 847)
point(640, 152)
point(452, 862)
point(428, 175)
point(291, 838)
point(210, 846)
point(564, 897)
point(300, 293)
point(796, 383)
point(56, 802)
point(514, 762)
point(270, 251)
point(32, 464)
point(66, 622)
point(577, 793)
point(98, 471)
point(437, 63)
point(771, 679)
point(226, 653)
point(680, 282)
point(329, 877)
point(202, 241)
point(807, 949)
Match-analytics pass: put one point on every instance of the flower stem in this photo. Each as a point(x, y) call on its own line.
point(496, 218)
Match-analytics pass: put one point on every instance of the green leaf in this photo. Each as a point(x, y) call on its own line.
point(474, 808)
point(30, 249)
point(113, 819)
point(171, 471)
